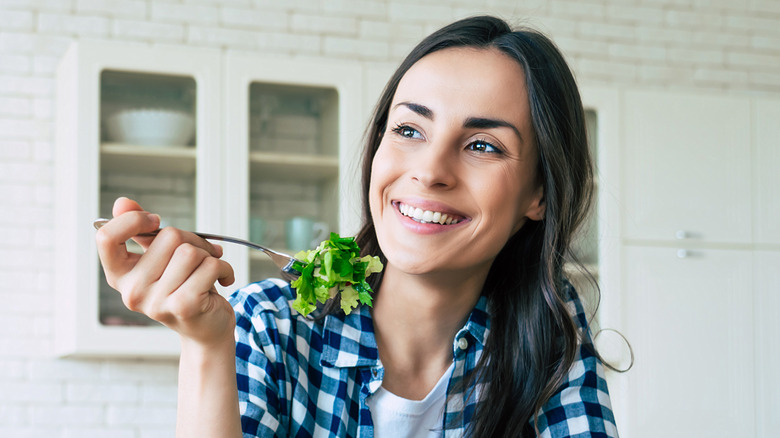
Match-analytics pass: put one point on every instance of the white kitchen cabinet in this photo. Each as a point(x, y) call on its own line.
point(767, 346)
point(690, 323)
point(697, 306)
point(204, 184)
point(766, 125)
point(687, 167)
point(92, 80)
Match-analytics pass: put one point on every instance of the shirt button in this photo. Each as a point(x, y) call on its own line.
point(463, 343)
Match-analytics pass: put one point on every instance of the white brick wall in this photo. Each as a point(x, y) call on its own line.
point(725, 45)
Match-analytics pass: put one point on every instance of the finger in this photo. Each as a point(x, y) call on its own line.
point(152, 299)
point(168, 239)
point(185, 259)
point(210, 271)
point(227, 275)
point(189, 259)
point(123, 205)
point(191, 298)
point(219, 251)
point(159, 256)
point(111, 239)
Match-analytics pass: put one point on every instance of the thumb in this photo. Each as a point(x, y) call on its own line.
point(123, 205)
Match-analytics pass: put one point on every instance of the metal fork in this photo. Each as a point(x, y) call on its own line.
point(283, 261)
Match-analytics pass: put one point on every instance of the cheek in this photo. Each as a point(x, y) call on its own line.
point(379, 174)
point(510, 203)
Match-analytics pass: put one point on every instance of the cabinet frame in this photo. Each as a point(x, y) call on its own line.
point(605, 102)
point(78, 329)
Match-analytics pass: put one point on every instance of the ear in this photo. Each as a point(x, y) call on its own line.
point(536, 208)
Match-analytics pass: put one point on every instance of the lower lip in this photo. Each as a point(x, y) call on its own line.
point(426, 228)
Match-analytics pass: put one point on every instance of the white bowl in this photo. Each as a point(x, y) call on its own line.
point(151, 127)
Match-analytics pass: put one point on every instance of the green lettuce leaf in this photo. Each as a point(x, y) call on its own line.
point(334, 269)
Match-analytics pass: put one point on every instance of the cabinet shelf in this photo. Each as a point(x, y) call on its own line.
point(293, 167)
point(143, 159)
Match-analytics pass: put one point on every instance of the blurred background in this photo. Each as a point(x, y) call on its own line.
point(245, 117)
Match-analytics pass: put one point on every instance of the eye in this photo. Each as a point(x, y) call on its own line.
point(406, 131)
point(483, 146)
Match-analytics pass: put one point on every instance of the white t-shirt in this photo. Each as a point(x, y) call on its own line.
point(398, 417)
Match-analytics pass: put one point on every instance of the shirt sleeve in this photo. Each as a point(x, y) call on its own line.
point(257, 374)
point(581, 408)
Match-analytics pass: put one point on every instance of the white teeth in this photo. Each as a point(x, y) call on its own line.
point(426, 216)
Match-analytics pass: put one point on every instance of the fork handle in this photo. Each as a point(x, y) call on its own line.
point(221, 238)
point(283, 261)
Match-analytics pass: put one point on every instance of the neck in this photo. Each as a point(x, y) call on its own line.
point(416, 318)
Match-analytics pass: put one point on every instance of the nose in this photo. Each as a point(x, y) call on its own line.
point(436, 165)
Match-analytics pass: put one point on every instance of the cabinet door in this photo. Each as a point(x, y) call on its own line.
point(690, 323)
point(182, 181)
point(767, 301)
point(687, 167)
point(292, 130)
point(767, 174)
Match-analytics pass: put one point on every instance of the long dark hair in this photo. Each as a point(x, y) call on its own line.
point(533, 340)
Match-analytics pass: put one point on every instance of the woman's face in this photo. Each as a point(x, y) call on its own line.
point(455, 173)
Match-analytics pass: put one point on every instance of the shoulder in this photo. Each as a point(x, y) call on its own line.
point(574, 306)
point(265, 317)
point(272, 295)
point(581, 406)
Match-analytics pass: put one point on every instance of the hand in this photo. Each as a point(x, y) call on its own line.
point(173, 280)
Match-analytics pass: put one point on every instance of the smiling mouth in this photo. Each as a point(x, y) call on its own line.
point(427, 216)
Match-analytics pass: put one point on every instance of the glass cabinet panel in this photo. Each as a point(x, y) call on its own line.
point(147, 153)
point(293, 169)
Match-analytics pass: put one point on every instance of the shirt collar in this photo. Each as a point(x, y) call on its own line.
point(349, 341)
point(478, 324)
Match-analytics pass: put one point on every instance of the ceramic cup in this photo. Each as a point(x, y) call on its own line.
point(259, 231)
point(304, 233)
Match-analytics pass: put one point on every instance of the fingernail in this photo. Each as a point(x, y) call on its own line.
point(155, 218)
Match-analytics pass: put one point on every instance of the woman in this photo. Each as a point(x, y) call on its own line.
point(476, 176)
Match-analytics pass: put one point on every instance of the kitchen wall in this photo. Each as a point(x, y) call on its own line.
point(716, 45)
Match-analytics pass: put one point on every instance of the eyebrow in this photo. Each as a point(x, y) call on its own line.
point(417, 108)
point(485, 123)
point(471, 122)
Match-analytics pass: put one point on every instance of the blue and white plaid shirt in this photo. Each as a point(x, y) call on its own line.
point(301, 378)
